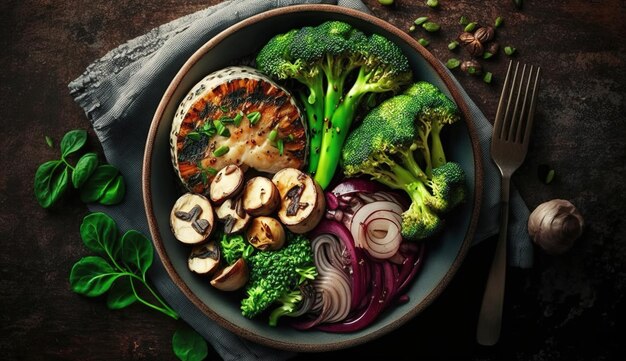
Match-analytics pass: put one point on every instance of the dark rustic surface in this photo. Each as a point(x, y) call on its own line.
point(569, 307)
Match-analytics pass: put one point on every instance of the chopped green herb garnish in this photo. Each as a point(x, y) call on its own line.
point(509, 50)
point(487, 55)
point(281, 146)
point(453, 44)
point(254, 117)
point(225, 120)
point(195, 136)
point(237, 119)
point(272, 136)
point(221, 151)
point(205, 172)
point(49, 142)
point(210, 170)
point(432, 3)
point(423, 42)
point(207, 127)
point(224, 108)
point(463, 20)
point(221, 129)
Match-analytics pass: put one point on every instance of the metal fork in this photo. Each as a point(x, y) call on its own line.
point(509, 145)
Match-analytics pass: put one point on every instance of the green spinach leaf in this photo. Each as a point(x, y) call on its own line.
point(188, 345)
point(137, 252)
point(121, 294)
point(130, 258)
point(72, 141)
point(84, 168)
point(96, 182)
point(99, 233)
point(96, 185)
point(114, 192)
point(51, 181)
point(92, 276)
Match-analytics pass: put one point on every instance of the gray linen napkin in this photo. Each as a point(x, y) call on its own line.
point(119, 94)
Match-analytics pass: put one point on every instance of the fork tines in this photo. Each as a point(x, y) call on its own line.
point(509, 124)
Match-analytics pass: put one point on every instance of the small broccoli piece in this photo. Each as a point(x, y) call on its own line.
point(448, 187)
point(383, 146)
point(274, 274)
point(234, 247)
point(294, 303)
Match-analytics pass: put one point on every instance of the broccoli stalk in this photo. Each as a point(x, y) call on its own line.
point(384, 68)
point(233, 247)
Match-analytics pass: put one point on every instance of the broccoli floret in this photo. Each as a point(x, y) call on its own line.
point(274, 274)
point(294, 303)
point(437, 111)
point(350, 64)
point(384, 146)
point(448, 187)
point(234, 247)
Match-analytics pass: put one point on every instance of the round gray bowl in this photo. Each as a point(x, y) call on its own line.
point(160, 189)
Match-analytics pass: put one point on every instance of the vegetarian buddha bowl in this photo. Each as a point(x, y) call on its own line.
point(312, 178)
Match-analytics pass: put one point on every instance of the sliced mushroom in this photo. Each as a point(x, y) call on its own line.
point(191, 218)
point(232, 277)
point(260, 197)
point(266, 234)
point(233, 215)
point(227, 183)
point(205, 258)
point(302, 200)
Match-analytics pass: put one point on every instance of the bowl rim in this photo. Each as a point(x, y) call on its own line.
point(147, 171)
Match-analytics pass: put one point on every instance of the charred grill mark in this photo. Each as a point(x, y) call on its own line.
point(193, 150)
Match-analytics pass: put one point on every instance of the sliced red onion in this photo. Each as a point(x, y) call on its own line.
point(383, 215)
point(356, 185)
point(331, 201)
point(341, 232)
point(413, 266)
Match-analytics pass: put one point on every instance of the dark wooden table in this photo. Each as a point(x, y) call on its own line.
point(568, 307)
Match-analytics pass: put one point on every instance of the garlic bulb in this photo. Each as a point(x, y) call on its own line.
point(555, 225)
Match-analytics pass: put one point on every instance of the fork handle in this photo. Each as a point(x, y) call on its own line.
point(490, 317)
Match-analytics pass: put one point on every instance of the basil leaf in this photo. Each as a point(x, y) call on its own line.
point(85, 167)
point(114, 192)
point(97, 183)
point(73, 141)
point(188, 345)
point(121, 294)
point(51, 180)
point(137, 252)
point(99, 233)
point(92, 276)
